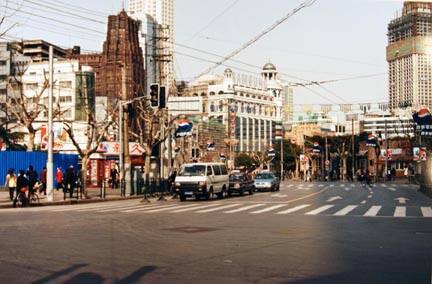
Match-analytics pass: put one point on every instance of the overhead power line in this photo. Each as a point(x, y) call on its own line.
point(258, 37)
point(75, 8)
point(217, 17)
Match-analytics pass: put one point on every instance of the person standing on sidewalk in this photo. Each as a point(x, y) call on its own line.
point(11, 183)
point(43, 180)
point(70, 180)
point(59, 179)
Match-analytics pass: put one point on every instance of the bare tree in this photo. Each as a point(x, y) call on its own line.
point(26, 107)
point(96, 132)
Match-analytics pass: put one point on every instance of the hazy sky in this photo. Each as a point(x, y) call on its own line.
point(333, 39)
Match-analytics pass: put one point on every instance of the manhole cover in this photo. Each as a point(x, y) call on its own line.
point(191, 230)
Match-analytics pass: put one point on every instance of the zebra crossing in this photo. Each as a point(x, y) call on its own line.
point(254, 208)
point(344, 186)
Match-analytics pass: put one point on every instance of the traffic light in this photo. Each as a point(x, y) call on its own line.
point(162, 97)
point(154, 95)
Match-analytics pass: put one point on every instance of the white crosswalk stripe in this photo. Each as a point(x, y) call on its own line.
point(346, 210)
point(294, 209)
point(195, 208)
point(148, 208)
point(405, 185)
point(426, 211)
point(383, 185)
point(219, 208)
point(332, 185)
point(352, 185)
point(102, 207)
point(373, 211)
point(86, 206)
point(241, 209)
point(127, 208)
point(268, 209)
point(319, 210)
point(400, 211)
point(170, 208)
point(321, 185)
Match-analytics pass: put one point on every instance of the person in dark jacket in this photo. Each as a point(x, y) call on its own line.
point(70, 180)
point(22, 184)
point(32, 177)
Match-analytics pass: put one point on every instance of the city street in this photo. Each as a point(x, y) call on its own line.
point(307, 232)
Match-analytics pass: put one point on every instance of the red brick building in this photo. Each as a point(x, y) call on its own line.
point(120, 67)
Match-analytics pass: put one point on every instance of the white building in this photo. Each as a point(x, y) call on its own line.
point(74, 95)
point(249, 107)
point(156, 38)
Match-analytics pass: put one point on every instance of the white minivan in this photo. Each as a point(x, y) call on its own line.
point(202, 180)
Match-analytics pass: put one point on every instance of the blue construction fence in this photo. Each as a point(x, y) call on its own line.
point(19, 160)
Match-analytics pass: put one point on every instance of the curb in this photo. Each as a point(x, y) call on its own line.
point(75, 202)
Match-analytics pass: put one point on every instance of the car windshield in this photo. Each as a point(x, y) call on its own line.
point(192, 170)
point(236, 177)
point(264, 176)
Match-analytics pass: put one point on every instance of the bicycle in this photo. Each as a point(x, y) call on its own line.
point(33, 198)
point(21, 200)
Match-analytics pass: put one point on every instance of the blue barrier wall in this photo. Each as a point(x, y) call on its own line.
point(22, 160)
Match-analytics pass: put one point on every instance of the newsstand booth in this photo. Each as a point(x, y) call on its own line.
point(107, 157)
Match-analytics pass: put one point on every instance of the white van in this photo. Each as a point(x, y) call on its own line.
point(202, 180)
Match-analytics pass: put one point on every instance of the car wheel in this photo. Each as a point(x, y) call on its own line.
point(197, 197)
point(230, 193)
point(242, 192)
point(251, 191)
point(182, 197)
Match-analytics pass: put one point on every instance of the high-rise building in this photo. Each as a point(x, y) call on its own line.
point(409, 54)
point(156, 39)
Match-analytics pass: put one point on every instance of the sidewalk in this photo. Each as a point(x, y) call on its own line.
point(93, 195)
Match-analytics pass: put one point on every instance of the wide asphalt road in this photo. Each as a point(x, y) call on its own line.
point(306, 233)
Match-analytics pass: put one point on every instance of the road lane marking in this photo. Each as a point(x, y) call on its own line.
point(363, 202)
point(342, 185)
point(241, 209)
point(127, 208)
point(405, 185)
point(383, 185)
point(319, 210)
point(352, 185)
point(102, 207)
point(346, 210)
point(279, 195)
point(87, 206)
point(392, 189)
point(321, 185)
point(268, 209)
point(334, 198)
point(195, 208)
point(426, 211)
point(394, 185)
point(306, 196)
point(369, 196)
point(400, 211)
point(148, 208)
point(170, 208)
point(373, 211)
point(332, 185)
point(219, 208)
point(294, 209)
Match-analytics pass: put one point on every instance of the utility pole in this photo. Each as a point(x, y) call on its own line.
point(327, 157)
point(386, 148)
point(50, 162)
point(125, 141)
point(282, 159)
point(353, 154)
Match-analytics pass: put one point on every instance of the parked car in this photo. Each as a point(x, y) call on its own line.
point(266, 181)
point(239, 183)
point(202, 180)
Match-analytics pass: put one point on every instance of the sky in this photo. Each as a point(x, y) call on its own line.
point(331, 40)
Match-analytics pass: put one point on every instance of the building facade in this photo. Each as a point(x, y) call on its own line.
point(409, 55)
point(119, 68)
point(73, 97)
point(156, 19)
point(250, 108)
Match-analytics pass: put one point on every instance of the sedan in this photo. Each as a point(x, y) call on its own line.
point(266, 181)
point(239, 183)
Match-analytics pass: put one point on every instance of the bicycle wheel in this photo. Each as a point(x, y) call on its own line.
point(20, 201)
point(34, 200)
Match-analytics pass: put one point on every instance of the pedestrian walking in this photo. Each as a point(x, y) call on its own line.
point(70, 181)
point(43, 179)
point(11, 183)
point(59, 179)
point(114, 175)
point(171, 181)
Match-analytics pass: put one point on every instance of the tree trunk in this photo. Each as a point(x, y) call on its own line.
point(30, 145)
point(297, 166)
point(147, 164)
point(83, 174)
